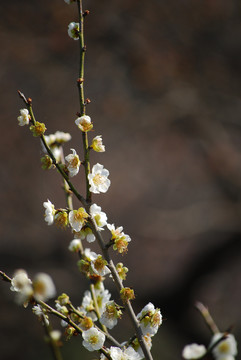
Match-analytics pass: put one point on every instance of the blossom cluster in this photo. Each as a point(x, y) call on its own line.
point(222, 345)
point(96, 311)
point(41, 288)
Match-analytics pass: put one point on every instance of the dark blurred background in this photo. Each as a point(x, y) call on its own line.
point(164, 82)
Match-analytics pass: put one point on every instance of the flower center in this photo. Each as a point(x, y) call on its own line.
point(74, 162)
point(98, 179)
point(93, 339)
point(224, 347)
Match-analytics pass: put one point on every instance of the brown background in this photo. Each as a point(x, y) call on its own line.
point(164, 81)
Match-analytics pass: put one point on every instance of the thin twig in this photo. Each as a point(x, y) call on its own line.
point(207, 317)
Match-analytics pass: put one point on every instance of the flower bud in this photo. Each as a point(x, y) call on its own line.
point(97, 144)
point(122, 270)
point(63, 299)
point(46, 162)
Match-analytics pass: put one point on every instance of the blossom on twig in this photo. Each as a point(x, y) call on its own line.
point(24, 118)
point(98, 179)
point(73, 163)
point(193, 351)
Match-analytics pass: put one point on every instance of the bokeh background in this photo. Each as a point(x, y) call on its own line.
point(164, 82)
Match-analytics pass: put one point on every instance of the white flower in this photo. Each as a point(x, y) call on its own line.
point(49, 212)
point(115, 232)
point(62, 137)
point(102, 296)
point(225, 349)
point(150, 319)
point(73, 30)
point(193, 351)
point(58, 138)
point(97, 144)
point(127, 354)
point(23, 286)
point(99, 266)
point(20, 280)
point(110, 316)
point(103, 357)
point(87, 305)
point(121, 240)
point(84, 123)
point(73, 163)
point(77, 219)
point(98, 179)
point(85, 233)
point(136, 346)
point(43, 287)
point(75, 245)
point(99, 216)
point(89, 255)
point(24, 118)
point(37, 310)
point(93, 339)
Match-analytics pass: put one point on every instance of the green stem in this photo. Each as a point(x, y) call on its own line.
point(82, 58)
point(67, 191)
point(80, 82)
point(92, 290)
point(87, 165)
point(52, 343)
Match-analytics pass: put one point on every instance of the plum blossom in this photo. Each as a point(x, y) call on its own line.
point(99, 266)
point(73, 30)
point(87, 306)
point(99, 216)
point(225, 349)
point(73, 163)
point(20, 280)
point(75, 245)
point(193, 351)
point(97, 144)
point(93, 339)
point(49, 212)
point(110, 315)
point(102, 297)
point(127, 354)
point(55, 142)
point(98, 179)
point(136, 346)
point(37, 310)
point(121, 240)
point(77, 219)
point(21, 284)
point(43, 287)
point(58, 138)
point(85, 233)
point(84, 123)
point(150, 319)
point(24, 118)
